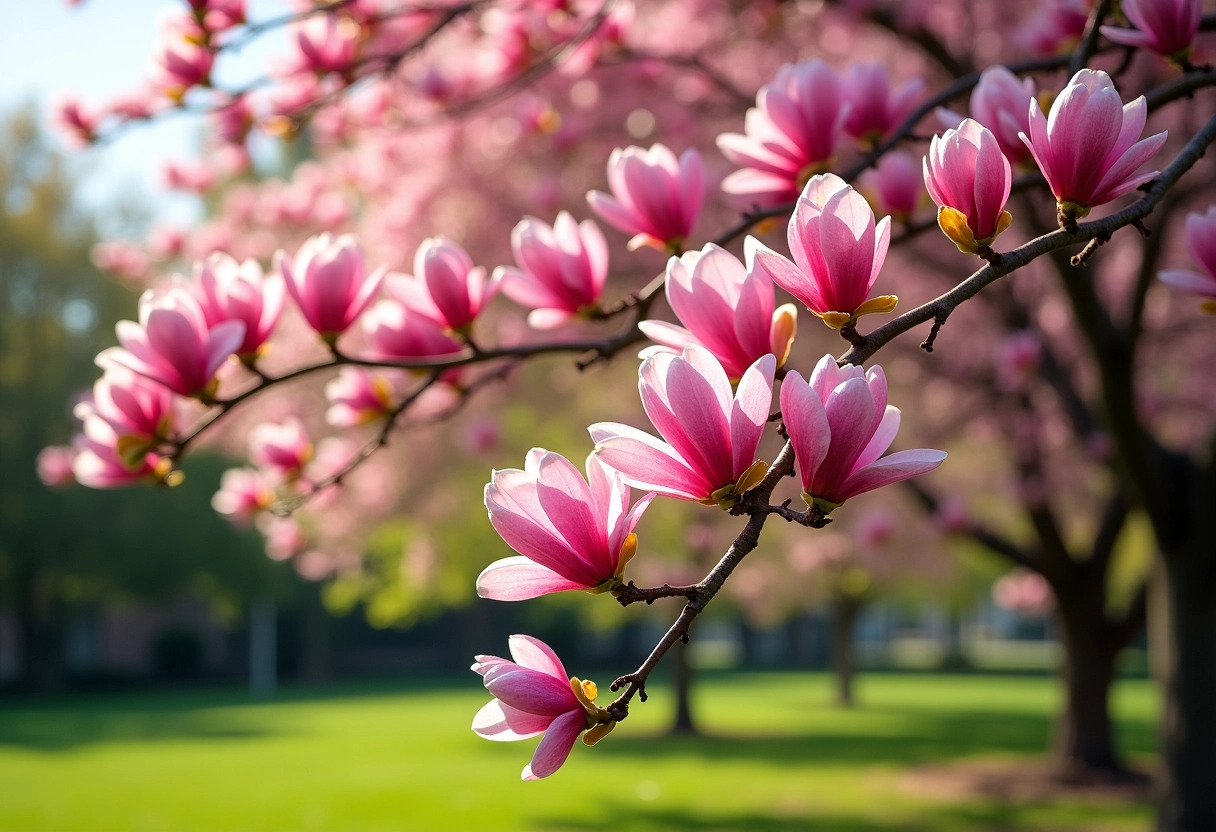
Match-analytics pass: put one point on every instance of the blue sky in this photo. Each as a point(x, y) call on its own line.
point(96, 51)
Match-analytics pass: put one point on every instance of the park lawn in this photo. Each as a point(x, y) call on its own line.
point(401, 757)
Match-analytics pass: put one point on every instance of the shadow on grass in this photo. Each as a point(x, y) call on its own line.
point(915, 736)
point(937, 818)
point(62, 722)
point(638, 820)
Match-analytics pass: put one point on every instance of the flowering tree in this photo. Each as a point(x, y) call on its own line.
point(455, 118)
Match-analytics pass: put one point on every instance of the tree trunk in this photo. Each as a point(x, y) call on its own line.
point(844, 615)
point(681, 680)
point(316, 663)
point(1189, 723)
point(1084, 743)
point(41, 632)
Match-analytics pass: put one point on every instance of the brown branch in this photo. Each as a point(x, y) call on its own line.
point(1089, 40)
point(703, 592)
point(1010, 261)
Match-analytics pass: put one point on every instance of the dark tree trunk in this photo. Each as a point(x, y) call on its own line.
point(681, 679)
point(316, 663)
point(844, 615)
point(1084, 742)
point(40, 622)
point(1189, 724)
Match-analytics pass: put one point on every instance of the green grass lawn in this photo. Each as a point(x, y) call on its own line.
point(776, 756)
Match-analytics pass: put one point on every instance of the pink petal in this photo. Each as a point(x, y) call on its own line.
point(530, 690)
point(807, 424)
point(750, 411)
point(647, 463)
point(555, 746)
point(518, 579)
point(894, 468)
point(535, 654)
point(502, 723)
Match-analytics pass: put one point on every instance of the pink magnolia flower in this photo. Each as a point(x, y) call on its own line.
point(969, 179)
point(655, 196)
point(875, 109)
point(182, 62)
point(533, 696)
point(839, 423)
point(141, 412)
point(232, 291)
point(326, 43)
point(55, 466)
point(282, 449)
point(1167, 27)
point(77, 120)
point(1017, 360)
point(726, 309)
point(1001, 102)
point(1087, 146)
point(838, 250)
point(895, 185)
point(711, 436)
point(789, 136)
point(561, 269)
point(1023, 592)
point(244, 493)
point(1201, 243)
point(173, 345)
point(284, 537)
point(1055, 26)
point(329, 283)
point(359, 396)
point(446, 287)
point(394, 332)
point(570, 533)
point(99, 465)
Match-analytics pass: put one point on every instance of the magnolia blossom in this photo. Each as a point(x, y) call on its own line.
point(895, 185)
point(561, 269)
point(141, 412)
point(726, 309)
point(55, 466)
point(1000, 103)
point(1016, 360)
point(326, 43)
point(1201, 243)
point(839, 424)
point(1087, 145)
point(173, 345)
point(789, 136)
point(837, 248)
point(570, 533)
point(1167, 27)
point(711, 436)
point(98, 464)
point(244, 493)
point(329, 283)
point(232, 291)
point(394, 332)
point(1023, 592)
point(969, 179)
point(358, 396)
point(533, 696)
point(282, 448)
point(655, 196)
point(875, 109)
point(446, 287)
point(183, 64)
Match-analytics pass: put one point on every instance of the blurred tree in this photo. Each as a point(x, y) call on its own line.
point(67, 550)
